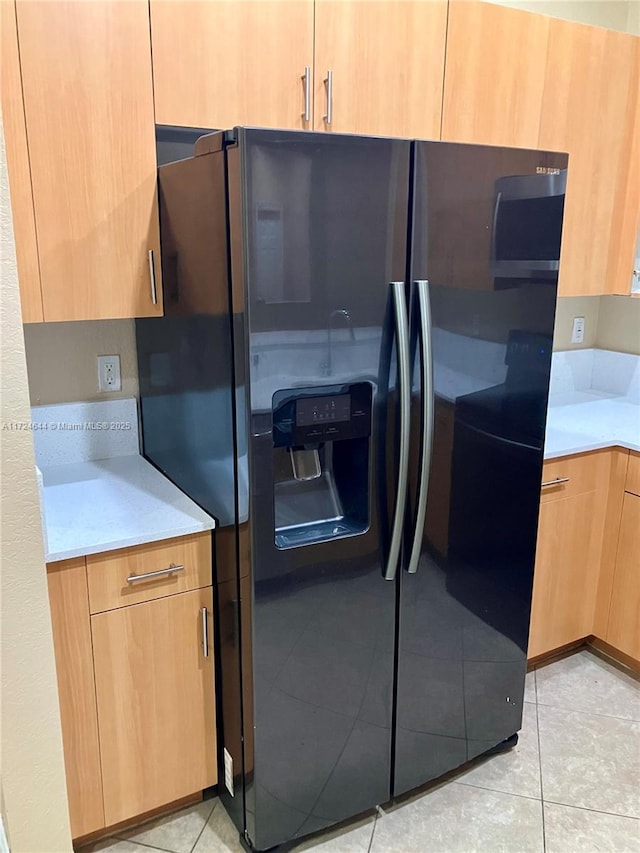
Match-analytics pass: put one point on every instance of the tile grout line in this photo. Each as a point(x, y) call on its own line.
point(128, 841)
point(204, 825)
point(494, 790)
point(588, 713)
point(596, 811)
point(373, 830)
point(544, 830)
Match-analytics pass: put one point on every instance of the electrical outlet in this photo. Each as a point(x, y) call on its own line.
point(109, 373)
point(577, 335)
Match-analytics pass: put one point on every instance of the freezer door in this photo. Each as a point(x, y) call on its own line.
point(322, 222)
point(464, 612)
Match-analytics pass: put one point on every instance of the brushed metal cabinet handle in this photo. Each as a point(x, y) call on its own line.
point(205, 631)
point(152, 278)
point(427, 419)
point(555, 482)
point(404, 389)
point(328, 80)
point(306, 81)
point(158, 574)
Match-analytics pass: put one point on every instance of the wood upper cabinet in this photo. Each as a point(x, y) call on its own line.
point(495, 74)
point(221, 63)
point(588, 109)
point(70, 622)
point(15, 133)
point(88, 101)
point(156, 715)
point(387, 64)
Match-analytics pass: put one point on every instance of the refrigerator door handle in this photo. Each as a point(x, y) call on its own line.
point(427, 421)
point(404, 389)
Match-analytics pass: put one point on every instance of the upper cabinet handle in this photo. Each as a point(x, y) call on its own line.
point(152, 278)
point(328, 80)
point(306, 82)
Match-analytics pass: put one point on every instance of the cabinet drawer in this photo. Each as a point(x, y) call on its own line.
point(633, 474)
point(574, 475)
point(117, 578)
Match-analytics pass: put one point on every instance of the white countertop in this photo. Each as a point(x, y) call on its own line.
point(105, 504)
point(594, 402)
point(97, 492)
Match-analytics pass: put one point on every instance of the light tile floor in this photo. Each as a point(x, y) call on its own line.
point(572, 785)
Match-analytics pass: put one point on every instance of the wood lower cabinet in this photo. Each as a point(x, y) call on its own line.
point(222, 63)
point(153, 683)
point(587, 577)
point(137, 696)
point(88, 102)
point(387, 66)
point(623, 630)
point(570, 535)
point(68, 599)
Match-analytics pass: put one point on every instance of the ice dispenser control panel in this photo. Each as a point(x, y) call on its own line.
point(305, 416)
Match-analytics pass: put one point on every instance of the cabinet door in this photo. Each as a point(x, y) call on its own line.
point(15, 134)
point(86, 76)
point(624, 615)
point(224, 63)
point(495, 72)
point(69, 603)
point(155, 693)
point(587, 108)
point(387, 62)
point(569, 549)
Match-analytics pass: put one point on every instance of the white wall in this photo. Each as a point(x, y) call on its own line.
point(614, 14)
point(34, 798)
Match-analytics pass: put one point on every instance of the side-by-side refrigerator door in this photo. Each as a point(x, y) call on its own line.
point(324, 230)
point(481, 348)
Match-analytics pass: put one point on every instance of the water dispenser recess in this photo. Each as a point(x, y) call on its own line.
point(321, 463)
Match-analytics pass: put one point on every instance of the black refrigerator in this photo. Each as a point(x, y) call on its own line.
point(352, 375)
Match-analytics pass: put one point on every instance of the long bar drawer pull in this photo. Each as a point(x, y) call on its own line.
point(151, 575)
point(555, 482)
point(205, 631)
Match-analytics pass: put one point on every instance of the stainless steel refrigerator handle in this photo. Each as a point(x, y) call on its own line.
point(152, 278)
point(404, 389)
point(427, 420)
point(306, 82)
point(328, 118)
point(205, 631)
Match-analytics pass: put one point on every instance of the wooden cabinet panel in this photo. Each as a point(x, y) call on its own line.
point(223, 63)
point(571, 533)
point(387, 61)
point(155, 693)
point(589, 99)
point(15, 134)
point(108, 573)
point(566, 574)
point(624, 616)
point(632, 483)
point(494, 76)
point(86, 73)
point(69, 603)
point(584, 472)
point(625, 226)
